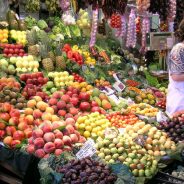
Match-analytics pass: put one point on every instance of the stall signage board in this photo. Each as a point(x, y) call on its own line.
point(87, 150)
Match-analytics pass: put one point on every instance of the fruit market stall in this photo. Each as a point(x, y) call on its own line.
point(83, 91)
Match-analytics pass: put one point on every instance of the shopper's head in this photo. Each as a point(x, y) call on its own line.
point(180, 32)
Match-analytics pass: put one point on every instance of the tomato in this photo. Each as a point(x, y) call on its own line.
point(21, 50)
point(6, 50)
point(11, 51)
point(16, 51)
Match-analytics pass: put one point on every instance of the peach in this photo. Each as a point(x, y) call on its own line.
point(58, 124)
point(67, 140)
point(28, 132)
point(77, 133)
point(70, 121)
point(49, 137)
point(13, 121)
point(58, 143)
point(14, 143)
point(67, 148)
point(46, 127)
point(74, 138)
point(18, 135)
point(73, 111)
point(46, 156)
point(39, 153)
point(37, 133)
point(37, 122)
point(69, 129)
point(28, 111)
point(56, 95)
point(53, 101)
point(22, 126)
point(55, 118)
point(41, 105)
point(30, 140)
point(49, 147)
point(29, 119)
point(37, 98)
point(66, 98)
point(68, 115)
point(8, 140)
point(30, 149)
point(10, 130)
point(31, 103)
point(61, 105)
point(58, 134)
point(39, 142)
point(50, 110)
point(55, 108)
point(58, 152)
point(46, 116)
point(62, 113)
point(2, 125)
point(37, 114)
point(82, 139)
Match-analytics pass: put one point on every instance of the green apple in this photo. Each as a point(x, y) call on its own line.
point(107, 151)
point(111, 161)
point(111, 145)
point(114, 150)
point(53, 90)
point(115, 156)
point(135, 172)
point(141, 173)
point(101, 155)
point(120, 150)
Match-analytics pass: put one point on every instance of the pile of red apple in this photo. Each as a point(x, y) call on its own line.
point(38, 111)
point(10, 50)
point(70, 102)
point(34, 83)
point(53, 138)
point(13, 128)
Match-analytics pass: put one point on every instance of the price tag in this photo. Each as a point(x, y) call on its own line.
point(114, 98)
point(84, 68)
point(87, 150)
point(119, 86)
point(161, 117)
point(121, 131)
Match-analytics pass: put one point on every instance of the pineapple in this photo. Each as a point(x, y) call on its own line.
point(52, 56)
point(60, 60)
point(46, 61)
point(33, 50)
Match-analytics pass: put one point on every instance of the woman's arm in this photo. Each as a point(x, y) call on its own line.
point(178, 77)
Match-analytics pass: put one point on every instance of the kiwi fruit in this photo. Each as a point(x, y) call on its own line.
point(7, 98)
point(16, 90)
point(13, 95)
point(6, 92)
point(19, 105)
point(13, 101)
point(21, 100)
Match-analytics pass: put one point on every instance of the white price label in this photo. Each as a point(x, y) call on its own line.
point(121, 131)
point(114, 98)
point(119, 86)
point(84, 68)
point(161, 117)
point(87, 150)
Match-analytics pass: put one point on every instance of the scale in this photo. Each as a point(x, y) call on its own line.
point(162, 42)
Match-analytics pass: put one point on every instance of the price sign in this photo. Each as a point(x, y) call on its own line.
point(114, 98)
point(121, 131)
point(161, 117)
point(119, 86)
point(87, 150)
point(84, 68)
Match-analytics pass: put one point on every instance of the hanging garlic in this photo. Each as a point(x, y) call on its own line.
point(94, 27)
point(145, 30)
point(131, 35)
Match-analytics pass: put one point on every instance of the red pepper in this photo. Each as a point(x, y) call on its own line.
point(69, 54)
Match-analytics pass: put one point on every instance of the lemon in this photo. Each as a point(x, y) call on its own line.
point(82, 126)
point(88, 128)
point(93, 125)
point(87, 134)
